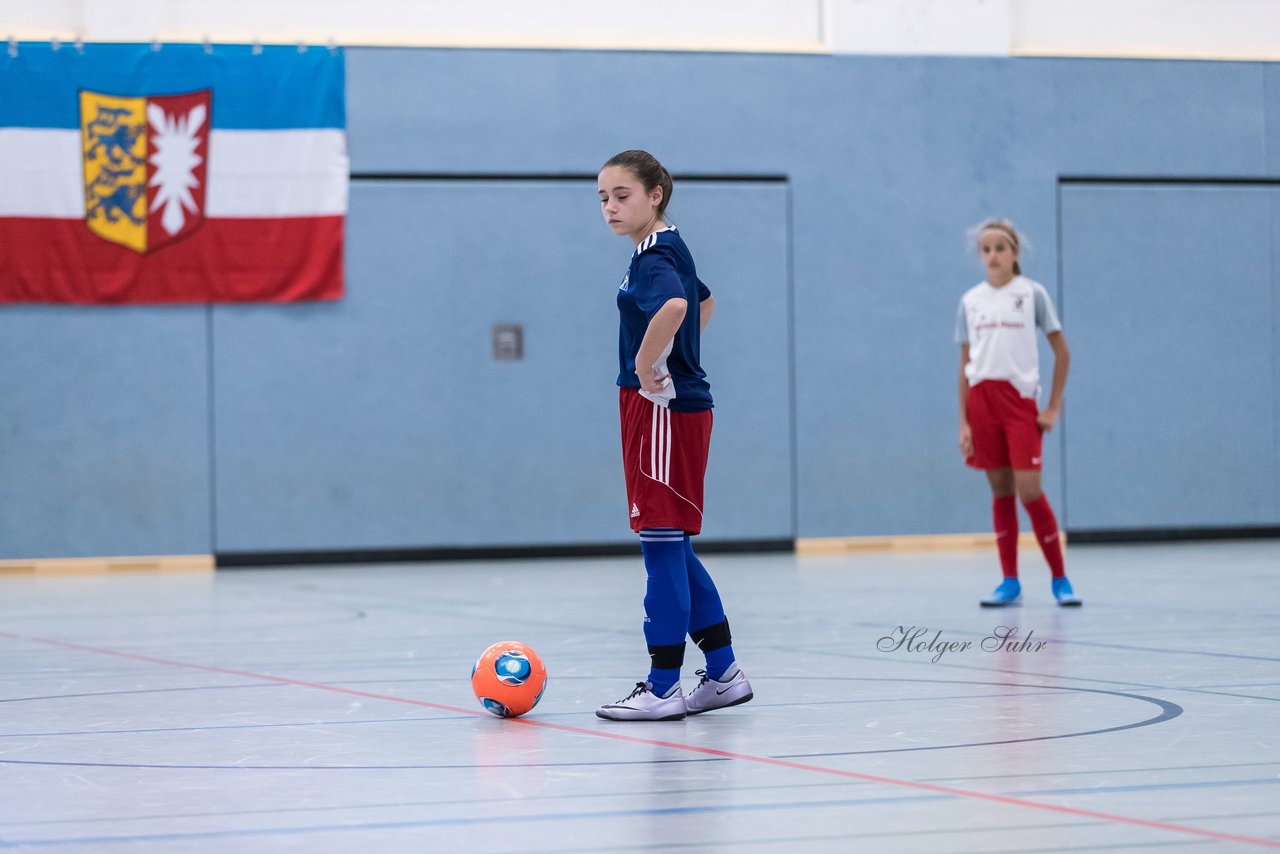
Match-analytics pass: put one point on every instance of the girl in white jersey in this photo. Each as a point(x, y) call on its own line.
point(1000, 427)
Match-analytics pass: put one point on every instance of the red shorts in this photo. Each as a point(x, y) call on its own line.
point(1005, 432)
point(664, 455)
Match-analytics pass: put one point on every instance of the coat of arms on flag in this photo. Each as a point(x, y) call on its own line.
point(185, 173)
point(145, 166)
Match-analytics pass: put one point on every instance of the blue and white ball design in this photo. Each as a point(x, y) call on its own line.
point(509, 679)
point(496, 708)
point(512, 668)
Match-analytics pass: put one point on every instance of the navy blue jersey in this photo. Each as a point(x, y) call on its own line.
point(662, 269)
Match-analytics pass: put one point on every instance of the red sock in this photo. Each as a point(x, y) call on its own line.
point(1004, 516)
point(1046, 527)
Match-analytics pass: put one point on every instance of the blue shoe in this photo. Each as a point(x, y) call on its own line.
point(1062, 591)
point(1009, 591)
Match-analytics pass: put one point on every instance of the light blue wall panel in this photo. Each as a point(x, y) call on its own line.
point(913, 154)
point(104, 432)
point(1139, 117)
point(1275, 338)
point(341, 426)
point(1271, 108)
point(567, 111)
point(738, 234)
point(1174, 397)
point(383, 420)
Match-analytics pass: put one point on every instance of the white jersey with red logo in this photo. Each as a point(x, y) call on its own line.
point(999, 325)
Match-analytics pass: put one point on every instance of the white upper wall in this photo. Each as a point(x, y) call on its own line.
point(1204, 29)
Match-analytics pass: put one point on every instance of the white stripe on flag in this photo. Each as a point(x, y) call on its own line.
point(277, 173)
point(41, 173)
point(252, 174)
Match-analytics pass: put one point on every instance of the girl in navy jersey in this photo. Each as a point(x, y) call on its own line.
point(1000, 427)
point(665, 409)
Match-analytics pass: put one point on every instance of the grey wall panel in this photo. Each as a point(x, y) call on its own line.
point(384, 421)
point(1173, 403)
point(337, 424)
point(104, 432)
point(882, 259)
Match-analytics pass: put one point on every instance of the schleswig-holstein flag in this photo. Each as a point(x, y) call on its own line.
point(173, 173)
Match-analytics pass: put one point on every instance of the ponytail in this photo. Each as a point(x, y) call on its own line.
point(1005, 227)
point(648, 171)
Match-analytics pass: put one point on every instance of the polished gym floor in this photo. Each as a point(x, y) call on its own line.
point(328, 709)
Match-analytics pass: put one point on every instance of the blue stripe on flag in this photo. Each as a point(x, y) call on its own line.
point(277, 89)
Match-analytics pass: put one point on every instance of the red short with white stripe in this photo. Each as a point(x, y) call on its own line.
point(664, 455)
point(1005, 432)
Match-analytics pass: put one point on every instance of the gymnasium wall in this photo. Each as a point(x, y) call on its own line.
point(1200, 29)
point(826, 199)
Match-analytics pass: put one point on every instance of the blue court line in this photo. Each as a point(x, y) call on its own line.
point(1144, 770)
point(1151, 787)
point(215, 727)
point(579, 816)
point(451, 802)
point(1106, 846)
point(314, 724)
point(441, 767)
point(141, 691)
point(946, 792)
point(489, 819)
point(1168, 711)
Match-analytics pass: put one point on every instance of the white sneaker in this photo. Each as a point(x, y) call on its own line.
point(644, 705)
point(730, 690)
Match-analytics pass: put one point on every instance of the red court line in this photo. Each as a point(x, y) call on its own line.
point(691, 748)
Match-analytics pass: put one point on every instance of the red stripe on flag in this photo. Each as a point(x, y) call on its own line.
point(225, 260)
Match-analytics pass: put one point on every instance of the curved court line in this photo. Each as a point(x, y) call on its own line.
point(1020, 673)
point(932, 788)
point(1169, 711)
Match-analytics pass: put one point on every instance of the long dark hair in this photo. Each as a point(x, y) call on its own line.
point(648, 171)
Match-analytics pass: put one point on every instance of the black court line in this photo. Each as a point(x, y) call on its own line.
point(610, 733)
point(1168, 711)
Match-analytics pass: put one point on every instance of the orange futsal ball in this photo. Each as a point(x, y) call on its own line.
point(508, 679)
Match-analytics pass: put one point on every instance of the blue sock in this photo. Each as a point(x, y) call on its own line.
point(666, 605)
point(663, 679)
point(719, 661)
point(707, 623)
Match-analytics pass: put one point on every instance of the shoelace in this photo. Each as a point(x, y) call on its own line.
point(703, 679)
point(641, 688)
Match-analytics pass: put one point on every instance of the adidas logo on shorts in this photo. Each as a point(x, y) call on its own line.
point(635, 511)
